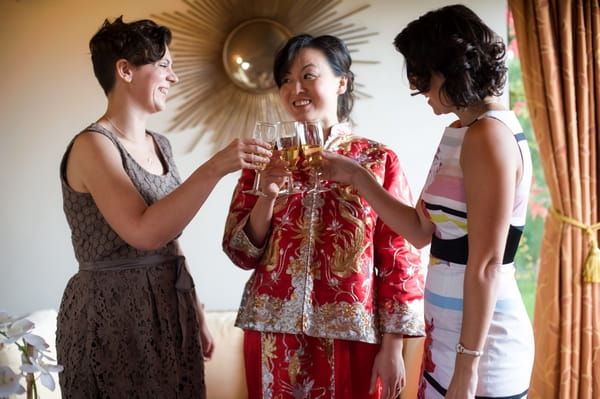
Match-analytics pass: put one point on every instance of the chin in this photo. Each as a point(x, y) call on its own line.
point(302, 114)
point(159, 107)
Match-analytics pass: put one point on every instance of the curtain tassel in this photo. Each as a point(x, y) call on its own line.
point(591, 272)
point(591, 267)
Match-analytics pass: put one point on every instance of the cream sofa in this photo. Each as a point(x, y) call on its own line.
point(225, 378)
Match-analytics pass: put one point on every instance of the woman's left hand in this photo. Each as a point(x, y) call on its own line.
point(389, 367)
point(208, 343)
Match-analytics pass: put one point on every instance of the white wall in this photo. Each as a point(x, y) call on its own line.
point(48, 93)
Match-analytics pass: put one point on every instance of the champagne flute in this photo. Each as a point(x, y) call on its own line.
point(265, 131)
point(288, 143)
point(312, 144)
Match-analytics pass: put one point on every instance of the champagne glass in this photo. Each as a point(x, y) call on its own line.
point(288, 143)
point(312, 144)
point(265, 131)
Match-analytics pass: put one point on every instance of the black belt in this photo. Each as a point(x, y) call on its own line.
point(457, 250)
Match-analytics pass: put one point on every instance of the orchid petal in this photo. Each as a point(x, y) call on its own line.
point(47, 381)
point(54, 368)
point(17, 330)
point(5, 318)
point(20, 326)
point(36, 341)
point(9, 382)
point(29, 369)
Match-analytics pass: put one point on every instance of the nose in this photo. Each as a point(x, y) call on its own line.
point(173, 78)
point(298, 87)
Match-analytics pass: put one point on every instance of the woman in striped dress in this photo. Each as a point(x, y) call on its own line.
point(472, 210)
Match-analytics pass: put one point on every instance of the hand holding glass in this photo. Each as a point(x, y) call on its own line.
point(265, 131)
point(288, 143)
point(312, 144)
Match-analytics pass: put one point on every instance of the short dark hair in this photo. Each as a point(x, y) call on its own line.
point(139, 42)
point(337, 55)
point(455, 42)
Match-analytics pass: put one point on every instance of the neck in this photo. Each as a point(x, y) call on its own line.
point(327, 124)
point(470, 114)
point(124, 128)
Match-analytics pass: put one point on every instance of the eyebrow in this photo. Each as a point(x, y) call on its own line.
point(308, 65)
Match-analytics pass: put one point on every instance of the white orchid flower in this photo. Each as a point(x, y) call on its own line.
point(12, 330)
point(9, 382)
point(17, 330)
point(5, 319)
point(37, 342)
point(38, 365)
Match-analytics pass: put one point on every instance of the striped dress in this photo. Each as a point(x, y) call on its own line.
point(505, 366)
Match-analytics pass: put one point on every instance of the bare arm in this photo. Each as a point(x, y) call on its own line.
point(405, 220)
point(95, 166)
point(491, 167)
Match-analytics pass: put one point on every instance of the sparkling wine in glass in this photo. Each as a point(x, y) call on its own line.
point(312, 144)
point(265, 131)
point(288, 144)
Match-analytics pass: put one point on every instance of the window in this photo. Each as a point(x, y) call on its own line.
point(527, 258)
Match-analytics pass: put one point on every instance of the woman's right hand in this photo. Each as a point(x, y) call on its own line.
point(242, 153)
point(340, 168)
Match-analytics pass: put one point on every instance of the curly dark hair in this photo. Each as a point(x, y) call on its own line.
point(139, 42)
point(337, 55)
point(455, 42)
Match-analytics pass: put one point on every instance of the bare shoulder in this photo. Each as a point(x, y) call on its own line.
point(90, 140)
point(91, 146)
point(491, 146)
point(91, 153)
point(487, 128)
point(489, 134)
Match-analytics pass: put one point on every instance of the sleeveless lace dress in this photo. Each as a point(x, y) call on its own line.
point(127, 325)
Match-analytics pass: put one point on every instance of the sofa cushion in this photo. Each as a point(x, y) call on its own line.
point(225, 373)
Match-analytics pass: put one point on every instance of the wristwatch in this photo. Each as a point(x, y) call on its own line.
point(462, 349)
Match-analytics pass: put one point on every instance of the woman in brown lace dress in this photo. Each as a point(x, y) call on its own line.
point(129, 324)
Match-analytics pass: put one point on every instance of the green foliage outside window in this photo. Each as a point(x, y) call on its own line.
point(526, 261)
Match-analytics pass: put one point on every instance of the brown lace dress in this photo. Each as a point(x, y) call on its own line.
point(127, 325)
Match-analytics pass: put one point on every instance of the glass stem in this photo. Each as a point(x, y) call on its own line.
point(256, 184)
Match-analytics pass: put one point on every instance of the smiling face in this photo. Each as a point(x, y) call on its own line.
point(310, 90)
point(151, 83)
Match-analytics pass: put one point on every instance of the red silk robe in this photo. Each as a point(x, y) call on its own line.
point(330, 267)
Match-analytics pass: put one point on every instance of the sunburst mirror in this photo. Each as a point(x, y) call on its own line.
point(224, 51)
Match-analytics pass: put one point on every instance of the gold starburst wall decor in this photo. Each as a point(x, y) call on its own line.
point(224, 51)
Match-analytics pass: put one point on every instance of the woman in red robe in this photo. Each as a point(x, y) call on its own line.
point(334, 290)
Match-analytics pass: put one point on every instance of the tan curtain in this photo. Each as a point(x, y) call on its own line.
point(559, 46)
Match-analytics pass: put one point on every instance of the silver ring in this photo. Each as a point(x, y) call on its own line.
point(398, 389)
